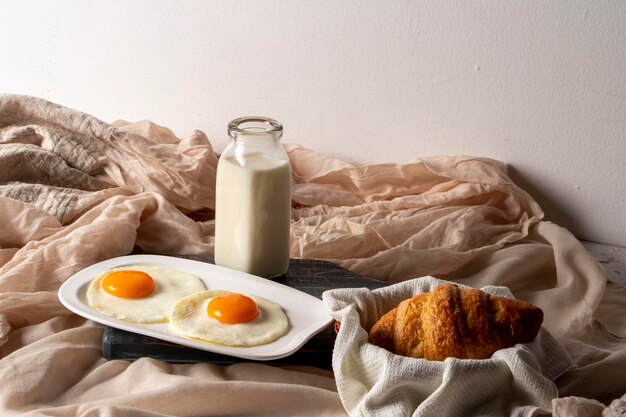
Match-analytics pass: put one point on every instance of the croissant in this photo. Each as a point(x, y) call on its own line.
point(454, 322)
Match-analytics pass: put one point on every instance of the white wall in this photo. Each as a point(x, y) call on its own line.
point(540, 85)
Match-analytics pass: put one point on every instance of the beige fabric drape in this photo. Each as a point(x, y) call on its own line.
point(75, 190)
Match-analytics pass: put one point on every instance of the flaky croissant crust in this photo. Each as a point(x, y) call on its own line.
point(454, 322)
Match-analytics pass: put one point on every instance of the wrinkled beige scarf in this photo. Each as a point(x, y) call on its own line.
point(75, 190)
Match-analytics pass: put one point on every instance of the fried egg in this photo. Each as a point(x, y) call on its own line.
point(228, 318)
point(141, 294)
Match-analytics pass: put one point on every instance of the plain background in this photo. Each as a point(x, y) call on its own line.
point(540, 85)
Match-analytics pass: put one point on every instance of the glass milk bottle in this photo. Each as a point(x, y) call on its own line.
point(253, 199)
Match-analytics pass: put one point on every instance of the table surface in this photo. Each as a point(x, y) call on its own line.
point(612, 258)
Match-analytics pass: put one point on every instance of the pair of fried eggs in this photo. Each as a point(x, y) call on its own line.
point(147, 294)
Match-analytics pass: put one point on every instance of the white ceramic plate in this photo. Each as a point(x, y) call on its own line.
point(307, 315)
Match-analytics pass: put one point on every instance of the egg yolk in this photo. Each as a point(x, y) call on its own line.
point(128, 284)
point(233, 308)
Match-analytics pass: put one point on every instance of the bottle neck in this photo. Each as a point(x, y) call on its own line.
point(255, 129)
point(254, 135)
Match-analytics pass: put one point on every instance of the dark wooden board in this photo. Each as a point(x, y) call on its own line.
point(310, 276)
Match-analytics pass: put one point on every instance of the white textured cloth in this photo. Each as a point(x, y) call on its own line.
point(372, 381)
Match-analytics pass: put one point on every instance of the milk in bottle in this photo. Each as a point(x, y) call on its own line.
point(253, 199)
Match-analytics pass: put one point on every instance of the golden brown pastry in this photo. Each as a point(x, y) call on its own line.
point(451, 322)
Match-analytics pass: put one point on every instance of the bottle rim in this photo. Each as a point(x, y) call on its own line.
point(255, 126)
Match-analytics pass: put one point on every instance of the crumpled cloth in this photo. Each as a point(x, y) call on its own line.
point(75, 190)
point(586, 407)
point(372, 381)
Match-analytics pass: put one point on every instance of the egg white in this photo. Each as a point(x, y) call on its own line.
point(171, 285)
point(190, 319)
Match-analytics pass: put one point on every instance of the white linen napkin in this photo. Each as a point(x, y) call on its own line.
point(373, 381)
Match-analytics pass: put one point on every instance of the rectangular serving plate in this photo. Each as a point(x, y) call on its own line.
point(306, 313)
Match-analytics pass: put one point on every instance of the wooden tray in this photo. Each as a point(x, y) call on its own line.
point(311, 276)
